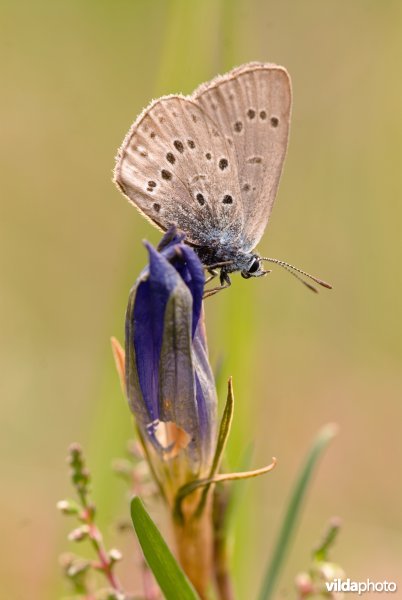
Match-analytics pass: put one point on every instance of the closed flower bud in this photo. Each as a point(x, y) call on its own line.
point(115, 555)
point(169, 381)
point(79, 534)
point(68, 507)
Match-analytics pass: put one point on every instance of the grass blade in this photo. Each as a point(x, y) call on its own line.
point(169, 575)
point(282, 545)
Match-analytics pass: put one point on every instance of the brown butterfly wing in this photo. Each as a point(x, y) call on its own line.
point(251, 106)
point(178, 168)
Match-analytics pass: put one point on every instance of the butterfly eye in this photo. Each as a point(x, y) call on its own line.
point(255, 265)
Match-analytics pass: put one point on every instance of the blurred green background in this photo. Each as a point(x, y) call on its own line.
point(74, 76)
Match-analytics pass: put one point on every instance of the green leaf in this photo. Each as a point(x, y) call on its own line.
point(293, 511)
point(169, 575)
point(189, 488)
point(224, 431)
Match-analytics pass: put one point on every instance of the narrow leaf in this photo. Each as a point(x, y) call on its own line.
point(169, 575)
point(223, 435)
point(189, 488)
point(293, 511)
point(224, 429)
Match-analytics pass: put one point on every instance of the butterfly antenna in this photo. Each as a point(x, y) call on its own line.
point(297, 272)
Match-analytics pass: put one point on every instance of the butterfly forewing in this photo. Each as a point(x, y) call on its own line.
point(179, 168)
point(251, 106)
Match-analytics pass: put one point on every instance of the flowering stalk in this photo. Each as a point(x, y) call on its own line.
point(88, 529)
point(311, 585)
point(171, 391)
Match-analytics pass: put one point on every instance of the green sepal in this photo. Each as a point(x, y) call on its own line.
point(223, 436)
point(189, 488)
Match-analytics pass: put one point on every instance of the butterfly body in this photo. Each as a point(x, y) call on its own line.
point(210, 163)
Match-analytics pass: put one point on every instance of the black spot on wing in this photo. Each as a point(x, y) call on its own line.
point(200, 199)
point(179, 146)
point(166, 174)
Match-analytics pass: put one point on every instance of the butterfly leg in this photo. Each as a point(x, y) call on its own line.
point(225, 283)
point(212, 275)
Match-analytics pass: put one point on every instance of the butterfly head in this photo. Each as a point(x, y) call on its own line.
point(254, 268)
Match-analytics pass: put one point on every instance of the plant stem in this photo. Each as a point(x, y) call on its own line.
point(223, 580)
point(94, 534)
point(105, 562)
point(194, 539)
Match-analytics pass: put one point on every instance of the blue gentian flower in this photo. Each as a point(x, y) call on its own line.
point(169, 382)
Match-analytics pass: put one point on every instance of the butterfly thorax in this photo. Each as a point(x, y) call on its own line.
point(229, 259)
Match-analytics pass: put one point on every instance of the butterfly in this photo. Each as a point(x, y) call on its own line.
point(210, 164)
